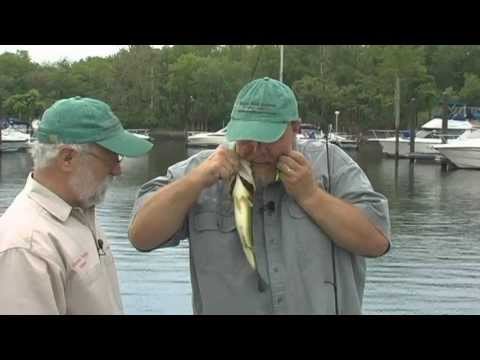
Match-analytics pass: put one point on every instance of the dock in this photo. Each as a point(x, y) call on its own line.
point(423, 156)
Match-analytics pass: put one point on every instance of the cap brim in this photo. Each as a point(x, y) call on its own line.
point(126, 144)
point(255, 131)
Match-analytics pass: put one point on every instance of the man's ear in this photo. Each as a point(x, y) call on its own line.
point(296, 126)
point(65, 159)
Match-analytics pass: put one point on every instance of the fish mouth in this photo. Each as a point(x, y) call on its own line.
point(247, 184)
point(262, 162)
point(245, 176)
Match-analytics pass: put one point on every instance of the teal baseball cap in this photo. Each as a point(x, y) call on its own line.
point(262, 111)
point(82, 120)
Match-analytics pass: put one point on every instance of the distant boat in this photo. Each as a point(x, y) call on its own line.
point(206, 139)
point(141, 133)
point(425, 139)
point(14, 140)
point(309, 132)
point(464, 152)
point(345, 141)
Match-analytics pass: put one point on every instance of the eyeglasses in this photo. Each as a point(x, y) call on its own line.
point(115, 161)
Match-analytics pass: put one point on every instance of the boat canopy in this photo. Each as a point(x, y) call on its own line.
point(436, 124)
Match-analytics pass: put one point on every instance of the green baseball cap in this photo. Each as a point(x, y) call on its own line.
point(81, 120)
point(262, 111)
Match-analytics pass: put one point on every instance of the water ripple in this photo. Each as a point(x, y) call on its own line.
point(432, 268)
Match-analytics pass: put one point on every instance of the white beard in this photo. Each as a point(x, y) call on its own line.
point(82, 184)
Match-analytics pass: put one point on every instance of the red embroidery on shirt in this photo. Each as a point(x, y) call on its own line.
point(81, 261)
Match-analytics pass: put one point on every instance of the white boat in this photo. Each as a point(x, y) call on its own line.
point(141, 133)
point(309, 132)
point(14, 140)
point(208, 138)
point(464, 152)
point(142, 136)
point(425, 139)
point(345, 141)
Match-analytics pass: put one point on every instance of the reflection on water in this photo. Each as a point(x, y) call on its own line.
point(432, 268)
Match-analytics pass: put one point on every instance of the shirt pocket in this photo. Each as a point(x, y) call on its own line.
point(205, 221)
point(214, 241)
point(312, 245)
point(83, 290)
point(84, 279)
point(212, 221)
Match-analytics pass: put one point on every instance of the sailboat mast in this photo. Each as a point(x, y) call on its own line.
point(281, 63)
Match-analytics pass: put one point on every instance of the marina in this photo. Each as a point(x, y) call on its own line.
point(432, 267)
point(419, 105)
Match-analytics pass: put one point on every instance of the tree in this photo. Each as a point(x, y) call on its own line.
point(470, 92)
point(318, 99)
point(14, 70)
point(24, 106)
point(130, 83)
point(194, 86)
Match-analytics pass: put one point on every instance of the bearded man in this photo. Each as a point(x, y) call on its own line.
point(54, 258)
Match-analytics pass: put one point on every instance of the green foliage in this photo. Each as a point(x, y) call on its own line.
point(24, 106)
point(194, 86)
point(470, 93)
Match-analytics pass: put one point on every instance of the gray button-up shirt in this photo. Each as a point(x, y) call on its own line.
point(294, 256)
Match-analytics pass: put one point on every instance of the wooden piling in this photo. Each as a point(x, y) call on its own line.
point(413, 125)
point(446, 115)
point(397, 116)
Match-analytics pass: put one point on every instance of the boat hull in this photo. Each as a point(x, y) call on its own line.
point(348, 144)
point(422, 146)
point(465, 157)
point(13, 140)
point(210, 141)
point(11, 146)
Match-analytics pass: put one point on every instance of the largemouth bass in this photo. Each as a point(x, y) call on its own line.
point(243, 196)
point(243, 193)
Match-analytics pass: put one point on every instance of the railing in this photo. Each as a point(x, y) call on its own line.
point(382, 134)
point(140, 131)
point(347, 136)
point(194, 132)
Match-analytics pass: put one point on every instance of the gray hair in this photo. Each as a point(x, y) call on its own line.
point(43, 155)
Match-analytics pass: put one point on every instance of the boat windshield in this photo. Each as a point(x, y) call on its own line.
point(436, 134)
point(424, 133)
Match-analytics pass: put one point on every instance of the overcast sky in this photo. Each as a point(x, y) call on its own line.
point(53, 53)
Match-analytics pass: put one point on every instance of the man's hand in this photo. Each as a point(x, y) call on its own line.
point(220, 165)
point(296, 175)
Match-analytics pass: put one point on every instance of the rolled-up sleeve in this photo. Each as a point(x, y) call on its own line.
point(351, 184)
point(146, 192)
point(29, 285)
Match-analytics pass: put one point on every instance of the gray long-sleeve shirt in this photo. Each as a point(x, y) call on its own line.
point(294, 256)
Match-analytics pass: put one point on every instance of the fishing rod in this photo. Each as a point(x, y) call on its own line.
point(326, 131)
point(254, 70)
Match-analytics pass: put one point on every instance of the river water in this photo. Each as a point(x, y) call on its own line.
point(432, 268)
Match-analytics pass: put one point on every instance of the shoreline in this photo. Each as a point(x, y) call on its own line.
point(167, 133)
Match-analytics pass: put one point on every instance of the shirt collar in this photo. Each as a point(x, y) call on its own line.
point(47, 199)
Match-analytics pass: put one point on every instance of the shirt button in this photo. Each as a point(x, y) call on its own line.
point(279, 300)
point(275, 270)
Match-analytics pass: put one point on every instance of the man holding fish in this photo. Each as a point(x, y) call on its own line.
point(274, 226)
